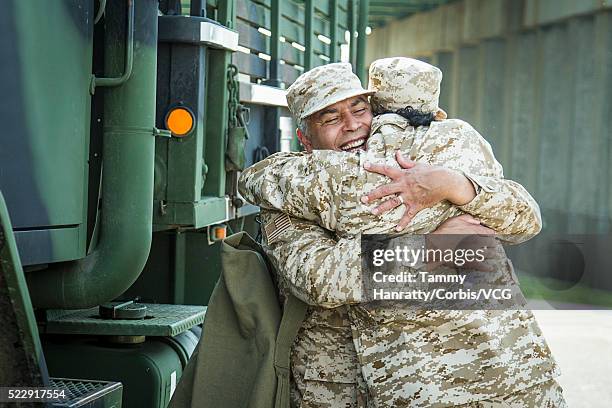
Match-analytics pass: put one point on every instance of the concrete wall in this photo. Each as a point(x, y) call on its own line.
point(535, 78)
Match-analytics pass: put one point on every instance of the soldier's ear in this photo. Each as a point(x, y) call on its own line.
point(304, 140)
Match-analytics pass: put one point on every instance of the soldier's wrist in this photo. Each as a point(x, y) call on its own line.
point(461, 189)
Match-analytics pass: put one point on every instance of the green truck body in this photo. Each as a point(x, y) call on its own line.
point(108, 205)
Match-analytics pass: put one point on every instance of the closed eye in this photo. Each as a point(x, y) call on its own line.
point(332, 121)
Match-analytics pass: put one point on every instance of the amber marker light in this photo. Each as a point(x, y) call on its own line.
point(179, 121)
point(216, 233)
point(220, 232)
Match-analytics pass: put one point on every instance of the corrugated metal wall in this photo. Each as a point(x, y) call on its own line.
point(535, 78)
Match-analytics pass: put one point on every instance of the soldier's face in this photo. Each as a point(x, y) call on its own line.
point(344, 126)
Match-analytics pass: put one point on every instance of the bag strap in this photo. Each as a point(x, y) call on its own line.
point(294, 314)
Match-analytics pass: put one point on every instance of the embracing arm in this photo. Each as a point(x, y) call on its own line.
point(451, 155)
point(312, 264)
point(259, 184)
point(501, 204)
point(506, 207)
point(303, 185)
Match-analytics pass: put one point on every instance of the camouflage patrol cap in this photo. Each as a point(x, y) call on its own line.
point(400, 82)
point(321, 87)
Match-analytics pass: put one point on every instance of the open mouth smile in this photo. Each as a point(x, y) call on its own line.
point(354, 145)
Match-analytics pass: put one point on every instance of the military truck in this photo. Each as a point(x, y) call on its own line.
point(126, 124)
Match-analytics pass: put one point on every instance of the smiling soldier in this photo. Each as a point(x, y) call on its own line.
point(323, 269)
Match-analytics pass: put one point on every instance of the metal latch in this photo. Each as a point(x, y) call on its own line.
point(161, 132)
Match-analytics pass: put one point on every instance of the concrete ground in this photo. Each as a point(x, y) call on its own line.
point(581, 342)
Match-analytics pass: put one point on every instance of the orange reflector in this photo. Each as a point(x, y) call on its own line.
point(179, 121)
point(220, 232)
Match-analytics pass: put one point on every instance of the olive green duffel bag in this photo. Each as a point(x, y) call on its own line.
point(242, 359)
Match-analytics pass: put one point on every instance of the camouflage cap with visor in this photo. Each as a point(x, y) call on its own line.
point(322, 87)
point(400, 82)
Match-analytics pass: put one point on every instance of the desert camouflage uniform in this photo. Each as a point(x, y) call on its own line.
point(408, 358)
point(447, 357)
point(543, 395)
point(317, 268)
point(326, 186)
point(325, 371)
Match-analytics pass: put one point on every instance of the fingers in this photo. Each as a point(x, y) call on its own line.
point(383, 191)
point(463, 226)
point(387, 205)
point(468, 218)
point(391, 172)
point(411, 211)
point(403, 162)
point(482, 230)
point(474, 229)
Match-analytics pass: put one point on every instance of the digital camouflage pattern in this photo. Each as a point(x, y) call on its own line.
point(544, 395)
point(316, 268)
point(321, 87)
point(401, 82)
point(408, 358)
point(326, 186)
point(327, 373)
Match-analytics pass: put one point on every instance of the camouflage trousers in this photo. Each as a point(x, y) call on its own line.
point(324, 370)
point(548, 394)
point(307, 394)
point(326, 394)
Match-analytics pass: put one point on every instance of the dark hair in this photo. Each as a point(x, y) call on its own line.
point(415, 117)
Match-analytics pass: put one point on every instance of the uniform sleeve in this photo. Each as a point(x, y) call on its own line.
point(315, 267)
point(502, 205)
point(308, 186)
point(506, 207)
point(259, 183)
point(301, 185)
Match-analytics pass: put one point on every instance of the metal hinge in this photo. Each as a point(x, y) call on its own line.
point(161, 132)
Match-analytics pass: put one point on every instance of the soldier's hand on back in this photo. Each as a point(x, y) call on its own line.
point(466, 233)
point(418, 186)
